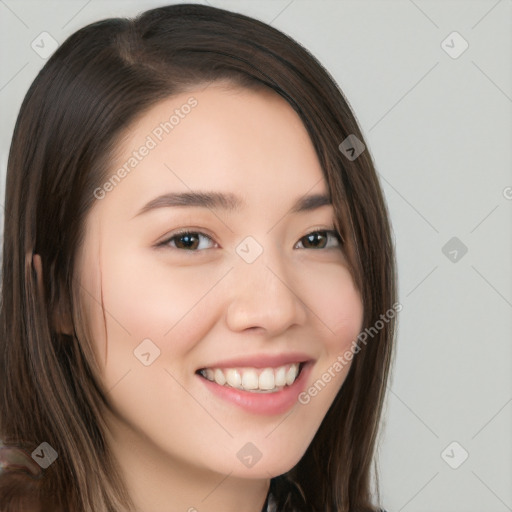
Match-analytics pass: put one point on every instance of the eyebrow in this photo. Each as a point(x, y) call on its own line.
point(228, 202)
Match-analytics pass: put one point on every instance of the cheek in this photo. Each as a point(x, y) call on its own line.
point(337, 312)
point(336, 306)
point(170, 306)
point(156, 299)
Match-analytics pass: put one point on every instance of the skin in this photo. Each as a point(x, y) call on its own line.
point(175, 441)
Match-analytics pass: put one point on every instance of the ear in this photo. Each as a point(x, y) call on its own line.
point(61, 317)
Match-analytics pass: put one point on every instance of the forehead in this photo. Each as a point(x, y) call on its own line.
point(216, 138)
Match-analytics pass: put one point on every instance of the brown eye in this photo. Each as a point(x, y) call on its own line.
point(321, 239)
point(190, 241)
point(186, 240)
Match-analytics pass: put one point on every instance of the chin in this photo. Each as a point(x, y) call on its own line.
point(272, 462)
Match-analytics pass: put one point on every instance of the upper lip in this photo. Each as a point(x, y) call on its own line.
point(261, 361)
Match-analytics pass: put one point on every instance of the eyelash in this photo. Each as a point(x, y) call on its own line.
point(165, 243)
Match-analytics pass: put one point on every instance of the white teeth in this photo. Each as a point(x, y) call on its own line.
point(291, 374)
point(233, 378)
point(266, 380)
point(280, 377)
point(219, 377)
point(254, 379)
point(250, 379)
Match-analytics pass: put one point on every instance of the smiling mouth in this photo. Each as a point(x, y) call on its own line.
point(254, 380)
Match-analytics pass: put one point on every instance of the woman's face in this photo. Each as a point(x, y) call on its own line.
point(258, 289)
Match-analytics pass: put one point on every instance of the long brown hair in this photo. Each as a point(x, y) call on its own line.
point(97, 83)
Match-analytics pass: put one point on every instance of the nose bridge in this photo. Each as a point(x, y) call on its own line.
point(262, 294)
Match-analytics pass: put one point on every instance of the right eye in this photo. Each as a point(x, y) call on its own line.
point(186, 240)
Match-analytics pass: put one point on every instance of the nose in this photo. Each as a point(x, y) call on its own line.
point(265, 295)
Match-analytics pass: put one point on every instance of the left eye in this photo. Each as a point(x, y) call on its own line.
point(191, 240)
point(322, 237)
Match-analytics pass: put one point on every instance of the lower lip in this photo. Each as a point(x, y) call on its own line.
point(262, 403)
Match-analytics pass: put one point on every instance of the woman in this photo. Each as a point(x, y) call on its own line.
point(198, 300)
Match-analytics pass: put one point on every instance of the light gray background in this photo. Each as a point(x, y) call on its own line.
point(439, 129)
